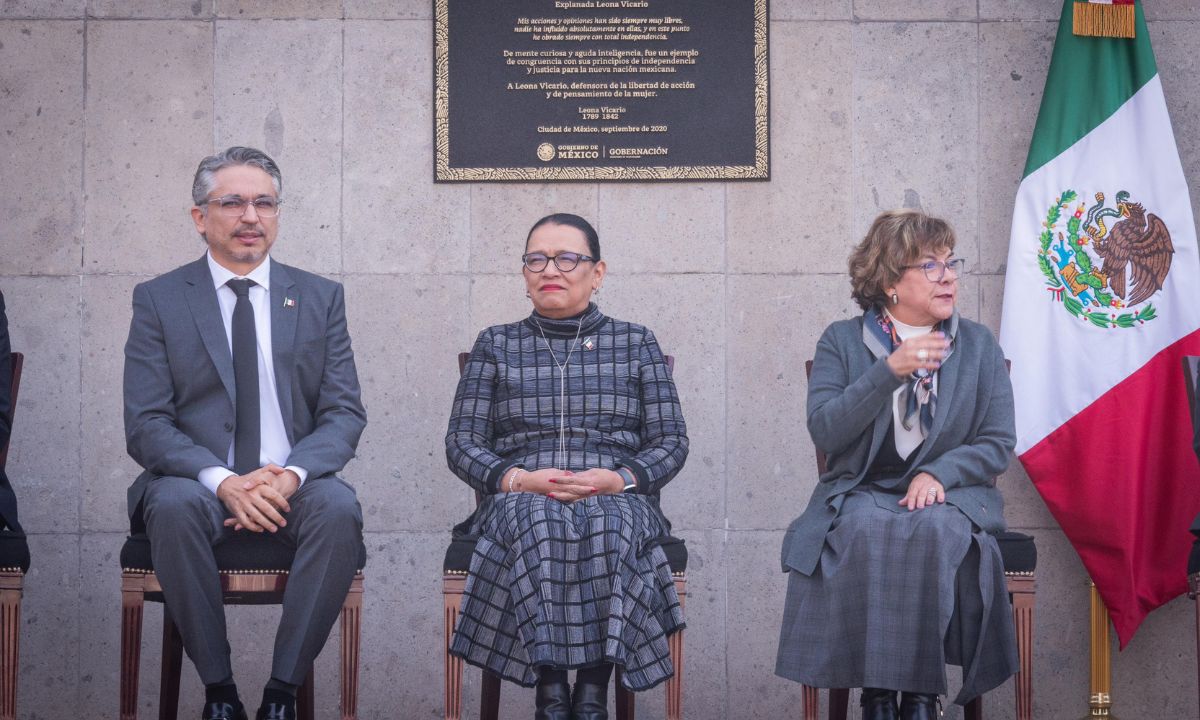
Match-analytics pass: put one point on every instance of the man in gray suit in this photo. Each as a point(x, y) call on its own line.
point(241, 402)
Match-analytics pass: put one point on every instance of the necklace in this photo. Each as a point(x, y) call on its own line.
point(562, 387)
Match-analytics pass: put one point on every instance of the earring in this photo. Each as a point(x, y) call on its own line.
point(528, 295)
point(895, 299)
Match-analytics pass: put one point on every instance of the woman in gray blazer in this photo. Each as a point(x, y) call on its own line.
point(892, 571)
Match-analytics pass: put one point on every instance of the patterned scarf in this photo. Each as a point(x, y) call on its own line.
point(917, 397)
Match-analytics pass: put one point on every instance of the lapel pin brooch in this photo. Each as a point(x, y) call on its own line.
point(588, 344)
point(289, 302)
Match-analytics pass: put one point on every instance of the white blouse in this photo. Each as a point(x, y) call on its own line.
point(907, 440)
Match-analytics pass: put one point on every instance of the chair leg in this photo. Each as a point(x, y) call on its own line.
point(452, 667)
point(812, 702)
point(1194, 582)
point(625, 704)
point(172, 667)
point(839, 703)
point(974, 709)
point(306, 699)
point(1022, 590)
point(11, 584)
point(132, 601)
point(351, 639)
point(489, 697)
point(674, 684)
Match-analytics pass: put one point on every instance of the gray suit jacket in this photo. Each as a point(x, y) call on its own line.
point(179, 388)
point(849, 411)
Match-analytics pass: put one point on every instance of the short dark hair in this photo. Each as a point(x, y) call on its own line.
point(583, 226)
point(204, 181)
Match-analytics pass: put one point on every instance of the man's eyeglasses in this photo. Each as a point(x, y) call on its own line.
point(935, 270)
point(565, 262)
point(235, 205)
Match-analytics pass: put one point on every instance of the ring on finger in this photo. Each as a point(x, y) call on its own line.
point(931, 491)
point(922, 354)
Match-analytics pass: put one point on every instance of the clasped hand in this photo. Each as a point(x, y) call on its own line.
point(258, 500)
point(923, 351)
point(566, 486)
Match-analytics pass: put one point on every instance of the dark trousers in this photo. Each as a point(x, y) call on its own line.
point(184, 520)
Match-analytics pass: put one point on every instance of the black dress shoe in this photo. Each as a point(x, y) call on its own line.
point(553, 701)
point(919, 706)
point(277, 711)
point(589, 702)
point(878, 704)
point(223, 711)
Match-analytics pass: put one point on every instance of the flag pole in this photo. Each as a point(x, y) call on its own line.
point(1100, 697)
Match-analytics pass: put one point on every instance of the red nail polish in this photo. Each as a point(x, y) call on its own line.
point(595, 490)
point(553, 480)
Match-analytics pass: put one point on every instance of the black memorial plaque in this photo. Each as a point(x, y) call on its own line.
point(542, 90)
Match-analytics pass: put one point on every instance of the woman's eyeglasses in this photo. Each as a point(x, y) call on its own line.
point(935, 270)
point(565, 262)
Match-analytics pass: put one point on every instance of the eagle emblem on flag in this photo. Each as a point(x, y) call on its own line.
point(1100, 274)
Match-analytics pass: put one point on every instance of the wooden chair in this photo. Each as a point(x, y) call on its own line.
point(254, 571)
point(1191, 368)
point(1020, 562)
point(454, 581)
point(14, 562)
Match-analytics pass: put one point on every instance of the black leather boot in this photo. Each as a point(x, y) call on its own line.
point(590, 701)
point(878, 704)
point(553, 701)
point(919, 706)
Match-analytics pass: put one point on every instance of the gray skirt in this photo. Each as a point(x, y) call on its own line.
point(567, 586)
point(895, 597)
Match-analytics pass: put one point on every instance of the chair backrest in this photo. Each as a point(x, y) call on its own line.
point(1191, 365)
point(18, 362)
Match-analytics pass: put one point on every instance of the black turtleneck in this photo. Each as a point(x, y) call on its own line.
point(583, 323)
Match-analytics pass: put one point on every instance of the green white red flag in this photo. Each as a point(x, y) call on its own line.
point(1100, 304)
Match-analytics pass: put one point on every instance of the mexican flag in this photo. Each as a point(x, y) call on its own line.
point(1101, 302)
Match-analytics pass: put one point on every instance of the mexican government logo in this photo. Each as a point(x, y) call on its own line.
point(545, 152)
point(1105, 275)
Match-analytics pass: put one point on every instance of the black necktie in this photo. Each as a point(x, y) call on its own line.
point(245, 380)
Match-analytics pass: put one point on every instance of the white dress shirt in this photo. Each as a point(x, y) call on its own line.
point(907, 440)
point(273, 440)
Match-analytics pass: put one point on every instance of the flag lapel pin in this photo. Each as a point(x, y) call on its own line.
point(588, 344)
point(289, 302)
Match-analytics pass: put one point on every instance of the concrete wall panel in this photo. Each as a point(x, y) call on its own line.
point(900, 10)
point(26, 9)
point(41, 71)
point(138, 167)
point(108, 470)
point(159, 10)
point(43, 457)
point(285, 9)
point(300, 127)
point(395, 218)
point(794, 223)
point(916, 135)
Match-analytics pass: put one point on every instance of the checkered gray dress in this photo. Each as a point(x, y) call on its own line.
point(568, 585)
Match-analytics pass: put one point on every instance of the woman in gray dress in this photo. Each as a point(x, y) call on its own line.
point(892, 572)
point(569, 425)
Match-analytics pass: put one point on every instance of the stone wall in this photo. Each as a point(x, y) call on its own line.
point(107, 105)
